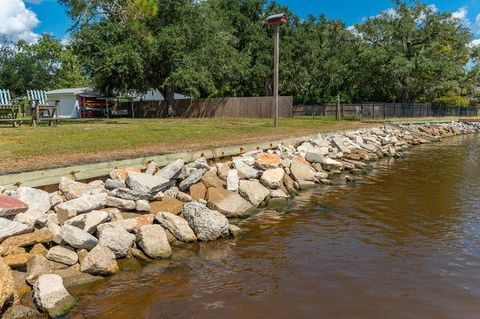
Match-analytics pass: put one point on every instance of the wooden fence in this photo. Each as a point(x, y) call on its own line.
point(247, 107)
point(385, 110)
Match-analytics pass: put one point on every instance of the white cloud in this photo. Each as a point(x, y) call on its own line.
point(460, 14)
point(475, 43)
point(17, 21)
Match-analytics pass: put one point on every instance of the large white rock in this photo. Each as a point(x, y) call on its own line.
point(314, 155)
point(172, 170)
point(100, 261)
point(120, 203)
point(232, 180)
point(38, 201)
point(77, 238)
point(146, 183)
point(51, 296)
point(229, 203)
point(80, 205)
point(62, 255)
point(95, 218)
point(253, 191)
point(117, 239)
point(153, 241)
point(72, 189)
point(273, 178)
point(301, 172)
point(207, 224)
point(10, 228)
point(177, 225)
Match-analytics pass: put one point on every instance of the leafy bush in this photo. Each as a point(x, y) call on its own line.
point(452, 99)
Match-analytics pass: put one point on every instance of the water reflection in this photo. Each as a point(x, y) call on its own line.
point(401, 244)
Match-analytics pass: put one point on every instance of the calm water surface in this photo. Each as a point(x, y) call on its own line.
point(404, 243)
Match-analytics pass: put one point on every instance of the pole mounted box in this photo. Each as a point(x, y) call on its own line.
point(277, 19)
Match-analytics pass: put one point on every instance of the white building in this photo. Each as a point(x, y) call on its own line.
point(69, 100)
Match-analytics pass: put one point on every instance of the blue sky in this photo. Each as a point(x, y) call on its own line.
point(28, 18)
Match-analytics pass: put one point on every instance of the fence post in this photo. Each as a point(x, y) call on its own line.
point(338, 108)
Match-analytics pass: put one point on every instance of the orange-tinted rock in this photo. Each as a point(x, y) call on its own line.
point(267, 161)
point(301, 159)
point(210, 179)
point(197, 191)
point(40, 236)
point(121, 173)
point(167, 204)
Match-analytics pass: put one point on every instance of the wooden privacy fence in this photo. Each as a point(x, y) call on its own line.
point(385, 110)
point(249, 107)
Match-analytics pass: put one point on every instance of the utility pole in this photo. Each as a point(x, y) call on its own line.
point(276, 20)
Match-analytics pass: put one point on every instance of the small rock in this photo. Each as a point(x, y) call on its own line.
point(121, 173)
point(122, 204)
point(268, 161)
point(77, 237)
point(72, 189)
point(301, 171)
point(151, 168)
point(194, 177)
point(168, 204)
point(50, 295)
point(235, 231)
point(185, 198)
point(100, 261)
point(10, 206)
point(22, 312)
point(80, 205)
point(329, 164)
point(278, 193)
point(228, 203)
point(198, 191)
point(26, 219)
point(93, 219)
point(10, 228)
point(222, 170)
point(30, 239)
point(273, 178)
point(232, 180)
point(55, 199)
point(142, 206)
point(172, 170)
point(177, 225)
point(153, 241)
point(245, 170)
point(210, 179)
point(253, 191)
point(146, 183)
point(39, 249)
point(129, 194)
point(62, 255)
point(114, 184)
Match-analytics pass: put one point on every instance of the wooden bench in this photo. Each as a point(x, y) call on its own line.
point(42, 109)
point(8, 111)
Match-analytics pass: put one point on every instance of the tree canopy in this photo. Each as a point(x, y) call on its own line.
point(221, 48)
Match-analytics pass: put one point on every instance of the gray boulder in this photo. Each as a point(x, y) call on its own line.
point(114, 184)
point(117, 239)
point(95, 218)
point(77, 238)
point(207, 224)
point(273, 178)
point(253, 191)
point(10, 228)
point(153, 241)
point(72, 189)
point(177, 225)
point(129, 194)
point(142, 206)
point(146, 183)
point(172, 170)
point(120, 203)
point(247, 171)
point(232, 180)
point(194, 177)
point(301, 172)
point(50, 295)
point(80, 205)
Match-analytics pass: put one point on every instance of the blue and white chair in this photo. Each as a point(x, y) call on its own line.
point(8, 111)
point(42, 109)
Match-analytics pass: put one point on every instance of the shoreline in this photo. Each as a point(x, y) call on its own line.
point(84, 229)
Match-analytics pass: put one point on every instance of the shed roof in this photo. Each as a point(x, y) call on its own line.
point(72, 91)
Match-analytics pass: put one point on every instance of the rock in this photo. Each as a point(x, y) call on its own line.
point(26, 219)
point(232, 180)
point(55, 230)
point(210, 179)
point(207, 224)
point(142, 206)
point(171, 192)
point(100, 261)
point(30, 239)
point(77, 238)
point(96, 187)
point(130, 224)
point(120, 203)
point(268, 161)
point(273, 178)
point(185, 198)
point(114, 184)
point(194, 177)
point(153, 241)
point(72, 189)
point(10, 206)
point(228, 203)
point(168, 204)
point(80, 205)
point(39, 249)
point(51, 296)
point(146, 183)
point(10, 228)
point(289, 183)
point(38, 201)
point(245, 170)
point(129, 194)
point(117, 239)
point(8, 293)
point(37, 266)
point(329, 164)
point(62, 255)
point(172, 170)
point(278, 193)
point(200, 163)
point(22, 312)
point(252, 190)
point(18, 260)
point(121, 173)
point(178, 226)
point(235, 231)
point(301, 172)
point(198, 191)
point(314, 155)
point(222, 170)
point(11, 250)
point(151, 168)
point(304, 148)
point(321, 175)
point(93, 219)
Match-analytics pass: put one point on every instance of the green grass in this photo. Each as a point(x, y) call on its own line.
point(83, 140)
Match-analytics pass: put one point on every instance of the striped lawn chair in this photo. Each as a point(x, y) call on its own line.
point(42, 109)
point(8, 111)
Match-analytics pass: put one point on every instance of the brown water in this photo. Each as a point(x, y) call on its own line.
point(404, 243)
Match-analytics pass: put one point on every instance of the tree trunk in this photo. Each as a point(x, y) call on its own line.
point(168, 93)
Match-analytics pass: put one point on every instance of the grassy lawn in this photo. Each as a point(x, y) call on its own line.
point(84, 141)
